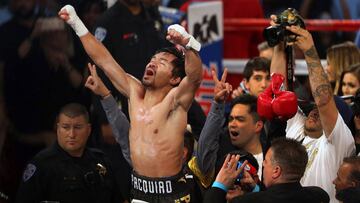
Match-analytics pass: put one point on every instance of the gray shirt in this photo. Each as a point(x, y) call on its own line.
point(208, 143)
point(119, 125)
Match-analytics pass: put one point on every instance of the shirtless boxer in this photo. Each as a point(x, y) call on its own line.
point(157, 107)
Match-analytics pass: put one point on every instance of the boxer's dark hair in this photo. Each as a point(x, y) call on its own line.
point(178, 62)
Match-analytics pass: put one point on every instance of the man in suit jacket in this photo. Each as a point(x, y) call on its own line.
point(284, 165)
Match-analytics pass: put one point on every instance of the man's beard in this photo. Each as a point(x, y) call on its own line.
point(310, 129)
point(313, 130)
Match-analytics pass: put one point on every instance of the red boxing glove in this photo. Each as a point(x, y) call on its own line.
point(284, 104)
point(274, 102)
point(264, 101)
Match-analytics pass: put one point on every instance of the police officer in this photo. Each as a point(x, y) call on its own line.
point(69, 171)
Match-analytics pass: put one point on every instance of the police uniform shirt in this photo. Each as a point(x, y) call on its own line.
point(53, 175)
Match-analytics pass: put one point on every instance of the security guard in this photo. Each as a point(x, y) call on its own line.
point(69, 171)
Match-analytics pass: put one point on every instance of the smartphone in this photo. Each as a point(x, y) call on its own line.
point(242, 86)
point(248, 168)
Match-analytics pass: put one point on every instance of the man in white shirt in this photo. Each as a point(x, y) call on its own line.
point(323, 132)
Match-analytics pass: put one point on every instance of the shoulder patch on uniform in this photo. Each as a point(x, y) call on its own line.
point(29, 172)
point(100, 33)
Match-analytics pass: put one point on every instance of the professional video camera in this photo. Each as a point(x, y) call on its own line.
point(277, 33)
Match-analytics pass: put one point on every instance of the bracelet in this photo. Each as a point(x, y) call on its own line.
point(106, 95)
point(256, 188)
point(219, 185)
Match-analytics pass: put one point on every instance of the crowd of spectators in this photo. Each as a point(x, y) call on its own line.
point(44, 69)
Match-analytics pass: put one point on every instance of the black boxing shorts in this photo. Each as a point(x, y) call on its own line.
point(179, 188)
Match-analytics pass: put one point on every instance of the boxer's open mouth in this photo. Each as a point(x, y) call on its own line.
point(150, 71)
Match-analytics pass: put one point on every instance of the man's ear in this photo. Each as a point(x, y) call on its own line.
point(89, 129)
point(259, 125)
point(185, 153)
point(174, 81)
point(276, 172)
point(353, 184)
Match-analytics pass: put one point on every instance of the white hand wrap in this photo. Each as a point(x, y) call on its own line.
point(75, 22)
point(193, 43)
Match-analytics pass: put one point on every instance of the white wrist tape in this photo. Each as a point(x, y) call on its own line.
point(193, 43)
point(75, 22)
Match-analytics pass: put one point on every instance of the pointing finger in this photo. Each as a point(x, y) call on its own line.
point(223, 77)
point(92, 69)
point(214, 75)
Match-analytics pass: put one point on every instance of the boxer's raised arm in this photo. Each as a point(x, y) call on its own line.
point(98, 53)
point(185, 92)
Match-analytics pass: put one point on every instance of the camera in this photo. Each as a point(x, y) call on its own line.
point(277, 33)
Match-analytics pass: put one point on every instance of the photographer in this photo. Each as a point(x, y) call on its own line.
point(284, 165)
point(323, 132)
